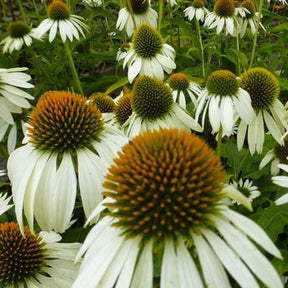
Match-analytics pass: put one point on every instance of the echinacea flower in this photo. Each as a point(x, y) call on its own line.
point(165, 194)
point(92, 3)
point(123, 109)
point(63, 130)
point(247, 188)
point(4, 201)
point(103, 102)
point(172, 3)
point(276, 156)
point(249, 19)
point(263, 88)
point(196, 10)
point(60, 18)
point(149, 55)
point(223, 98)
point(35, 260)
point(19, 34)
point(223, 17)
point(153, 109)
point(183, 89)
point(143, 14)
point(283, 182)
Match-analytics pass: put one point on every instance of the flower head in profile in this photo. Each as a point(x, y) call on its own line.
point(276, 156)
point(165, 191)
point(263, 88)
point(92, 3)
point(183, 89)
point(225, 102)
point(148, 54)
point(247, 188)
point(197, 10)
point(154, 108)
point(35, 260)
point(123, 109)
point(103, 101)
point(61, 20)
point(63, 130)
point(13, 99)
point(143, 14)
point(19, 34)
point(223, 17)
point(249, 18)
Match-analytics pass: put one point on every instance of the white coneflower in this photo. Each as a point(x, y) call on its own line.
point(153, 108)
point(60, 18)
point(63, 130)
point(196, 10)
point(142, 13)
point(223, 17)
point(35, 260)
point(4, 201)
point(123, 109)
point(183, 89)
point(172, 2)
point(122, 51)
point(223, 98)
point(247, 188)
point(276, 156)
point(263, 88)
point(148, 54)
point(19, 34)
point(164, 193)
point(248, 19)
point(283, 182)
point(93, 3)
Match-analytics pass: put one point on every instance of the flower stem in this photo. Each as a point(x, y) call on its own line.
point(3, 9)
point(35, 7)
point(132, 13)
point(219, 141)
point(161, 8)
point(238, 59)
point(256, 33)
point(72, 66)
point(9, 2)
point(201, 46)
point(23, 15)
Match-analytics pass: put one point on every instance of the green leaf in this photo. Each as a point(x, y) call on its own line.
point(117, 85)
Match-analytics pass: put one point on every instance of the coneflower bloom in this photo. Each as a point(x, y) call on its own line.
point(283, 182)
point(143, 14)
point(196, 10)
point(63, 130)
point(276, 156)
point(263, 88)
point(223, 98)
point(93, 3)
point(123, 109)
point(153, 109)
point(148, 54)
point(223, 17)
point(183, 89)
point(4, 200)
point(164, 193)
point(249, 19)
point(19, 34)
point(172, 2)
point(36, 260)
point(61, 20)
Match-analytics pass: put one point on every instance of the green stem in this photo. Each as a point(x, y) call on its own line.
point(201, 46)
point(72, 66)
point(170, 22)
point(241, 165)
point(238, 59)
point(256, 33)
point(35, 7)
point(129, 6)
point(219, 141)
point(3, 9)
point(160, 18)
point(23, 15)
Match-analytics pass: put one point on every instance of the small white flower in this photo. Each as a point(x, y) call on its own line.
point(148, 55)
point(38, 262)
point(60, 18)
point(196, 10)
point(93, 3)
point(19, 34)
point(172, 2)
point(143, 14)
point(224, 101)
point(4, 200)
